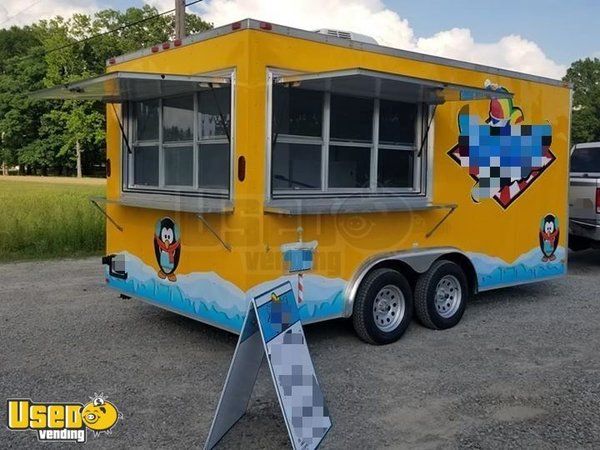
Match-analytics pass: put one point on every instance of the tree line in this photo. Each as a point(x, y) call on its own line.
point(67, 137)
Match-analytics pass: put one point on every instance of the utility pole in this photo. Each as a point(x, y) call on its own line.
point(179, 19)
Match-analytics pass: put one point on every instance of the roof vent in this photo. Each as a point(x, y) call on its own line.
point(348, 35)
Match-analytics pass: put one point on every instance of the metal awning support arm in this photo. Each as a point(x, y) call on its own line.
point(451, 209)
point(94, 201)
point(220, 111)
point(426, 134)
point(214, 232)
point(123, 134)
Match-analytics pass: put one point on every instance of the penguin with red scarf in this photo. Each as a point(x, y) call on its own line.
point(549, 234)
point(167, 248)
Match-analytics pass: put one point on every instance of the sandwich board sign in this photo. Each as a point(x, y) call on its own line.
point(272, 327)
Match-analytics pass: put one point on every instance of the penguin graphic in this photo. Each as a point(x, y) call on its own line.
point(167, 248)
point(549, 234)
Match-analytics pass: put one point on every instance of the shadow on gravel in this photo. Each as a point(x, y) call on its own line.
point(585, 259)
point(315, 333)
point(185, 325)
point(341, 329)
point(523, 292)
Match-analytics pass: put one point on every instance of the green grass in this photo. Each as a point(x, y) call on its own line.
point(49, 219)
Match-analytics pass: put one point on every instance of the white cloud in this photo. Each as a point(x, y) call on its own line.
point(362, 16)
point(17, 12)
point(511, 52)
point(371, 17)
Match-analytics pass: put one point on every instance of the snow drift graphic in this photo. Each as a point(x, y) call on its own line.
point(495, 272)
point(209, 298)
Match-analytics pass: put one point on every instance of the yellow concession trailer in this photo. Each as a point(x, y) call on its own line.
point(394, 183)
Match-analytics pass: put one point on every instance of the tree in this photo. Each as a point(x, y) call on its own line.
point(143, 35)
point(16, 41)
point(72, 129)
point(64, 136)
point(585, 77)
point(19, 114)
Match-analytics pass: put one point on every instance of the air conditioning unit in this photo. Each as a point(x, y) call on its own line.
point(348, 35)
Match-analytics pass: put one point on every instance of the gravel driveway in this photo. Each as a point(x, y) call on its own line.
point(522, 369)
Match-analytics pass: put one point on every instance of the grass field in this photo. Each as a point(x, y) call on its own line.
point(42, 218)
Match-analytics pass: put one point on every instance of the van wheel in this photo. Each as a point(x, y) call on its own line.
point(383, 307)
point(441, 295)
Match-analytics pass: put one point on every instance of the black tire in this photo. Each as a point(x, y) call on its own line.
point(425, 296)
point(363, 314)
point(578, 243)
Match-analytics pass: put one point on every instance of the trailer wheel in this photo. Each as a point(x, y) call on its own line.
point(383, 307)
point(441, 295)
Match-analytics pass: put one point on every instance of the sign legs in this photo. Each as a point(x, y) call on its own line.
point(273, 328)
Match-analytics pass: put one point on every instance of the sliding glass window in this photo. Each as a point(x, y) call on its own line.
point(182, 143)
point(338, 144)
point(297, 139)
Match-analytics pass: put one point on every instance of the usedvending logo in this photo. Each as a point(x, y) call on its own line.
point(63, 421)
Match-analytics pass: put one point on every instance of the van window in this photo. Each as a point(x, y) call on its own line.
point(181, 143)
point(339, 143)
point(585, 159)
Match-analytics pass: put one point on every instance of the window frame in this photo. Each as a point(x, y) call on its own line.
point(421, 186)
point(163, 189)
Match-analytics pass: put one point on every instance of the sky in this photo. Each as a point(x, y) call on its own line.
point(541, 37)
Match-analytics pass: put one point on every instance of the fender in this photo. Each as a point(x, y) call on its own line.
point(420, 260)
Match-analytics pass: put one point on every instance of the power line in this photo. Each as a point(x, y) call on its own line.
point(122, 27)
point(31, 5)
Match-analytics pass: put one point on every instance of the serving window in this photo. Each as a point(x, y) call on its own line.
point(181, 143)
point(325, 143)
point(339, 139)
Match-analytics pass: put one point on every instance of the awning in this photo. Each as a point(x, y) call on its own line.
point(118, 87)
point(363, 82)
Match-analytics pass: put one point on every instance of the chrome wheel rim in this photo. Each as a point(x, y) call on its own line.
point(448, 296)
point(388, 308)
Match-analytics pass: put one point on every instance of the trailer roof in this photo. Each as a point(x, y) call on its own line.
point(267, 27)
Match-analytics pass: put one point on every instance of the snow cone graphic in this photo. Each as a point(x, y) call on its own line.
point(504, 156)
point(299, 257)
point(502, 110)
